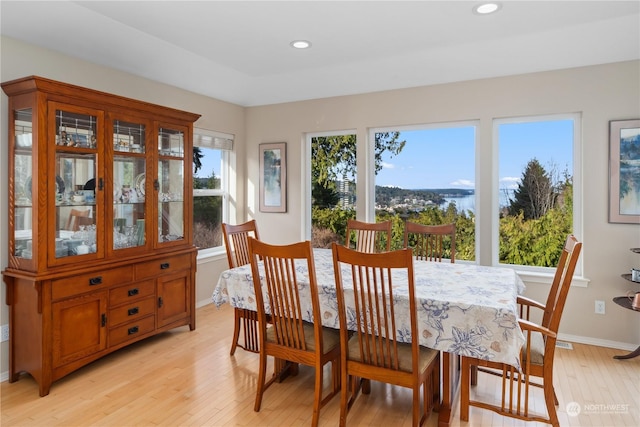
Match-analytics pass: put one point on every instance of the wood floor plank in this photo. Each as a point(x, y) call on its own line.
point(187, 378)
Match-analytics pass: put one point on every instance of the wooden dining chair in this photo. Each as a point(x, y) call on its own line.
point(536, 356)
point(237, 246)
point(431, 242)
point(291, 336)
point(369, 236)
point(373, 351)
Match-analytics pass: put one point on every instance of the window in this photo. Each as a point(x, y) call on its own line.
point(210, 187)
point(426, 174)
point(332, 182)
point(536, 186)
point(458, 177)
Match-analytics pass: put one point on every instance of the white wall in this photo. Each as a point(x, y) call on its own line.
point(599, 93)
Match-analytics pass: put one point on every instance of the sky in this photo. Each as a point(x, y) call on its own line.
point(445, 157)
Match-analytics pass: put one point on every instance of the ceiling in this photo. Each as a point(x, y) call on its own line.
point(238, 51)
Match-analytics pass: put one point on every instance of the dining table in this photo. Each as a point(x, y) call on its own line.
point(463, 309)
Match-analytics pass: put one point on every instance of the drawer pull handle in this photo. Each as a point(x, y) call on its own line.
point(133, 292)
point(133, 311)
point(160, 302)
point(164, 266)
point(104, 320)
point(133, 330)
point(95, 281)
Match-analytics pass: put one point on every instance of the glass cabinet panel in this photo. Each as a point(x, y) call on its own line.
point(23, 211)
point(129, 185)
point(171, 185)
point(74, 184)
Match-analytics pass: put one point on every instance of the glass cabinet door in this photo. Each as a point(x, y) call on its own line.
point(170, 185)
point(129, 184)
point(23, 198)
point(74, 184)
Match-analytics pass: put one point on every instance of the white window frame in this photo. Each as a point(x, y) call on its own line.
point(306, 173)
point(223, 142)
point(532, 274)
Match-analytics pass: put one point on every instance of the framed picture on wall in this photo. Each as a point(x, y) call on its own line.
point(273, 177)
point(624, 171)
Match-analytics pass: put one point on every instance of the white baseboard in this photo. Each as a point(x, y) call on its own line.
point(597, 342)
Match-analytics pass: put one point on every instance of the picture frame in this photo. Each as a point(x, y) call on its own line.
point(273, 177)
point(624, 170)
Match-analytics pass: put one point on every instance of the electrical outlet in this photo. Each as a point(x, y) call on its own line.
point(5, 333)
point(599, 307)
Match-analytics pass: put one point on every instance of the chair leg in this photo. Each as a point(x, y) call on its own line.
point(337, 374)
point(236, 330)
point(416, 406)
point(437, 378)
point(344, 394)
point(550, 400)
point(261, 383)
point(464, 389)
point(366, 386)
point(317, 399)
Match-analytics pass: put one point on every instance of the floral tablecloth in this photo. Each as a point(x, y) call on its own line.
point(462, 308)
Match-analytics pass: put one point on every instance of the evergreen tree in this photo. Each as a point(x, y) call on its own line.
point(334, 157)
point(324, 196)
point(535, 194)
point(197, 159)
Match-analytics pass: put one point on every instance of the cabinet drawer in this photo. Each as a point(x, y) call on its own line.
point(162, 266)
point(74, 285)
point(131, 292)
point(131, 330)
point(133, 311)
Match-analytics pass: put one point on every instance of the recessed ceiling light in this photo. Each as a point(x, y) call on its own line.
point(300, 44)
point(487, 8)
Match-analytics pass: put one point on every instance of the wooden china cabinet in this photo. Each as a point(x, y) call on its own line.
point(100, 233)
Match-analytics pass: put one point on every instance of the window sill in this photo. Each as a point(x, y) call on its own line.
point(547, 278)
point(211, 255)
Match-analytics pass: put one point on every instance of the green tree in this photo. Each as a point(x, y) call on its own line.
point(334, 157)
point(535, 194)
point(207, 213)
point(197, 159)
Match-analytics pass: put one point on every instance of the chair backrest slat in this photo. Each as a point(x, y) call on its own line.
point(369, 236)
point(236, 242)
point(282, 291)
point(561, 283)
point(371, 285)
point(430, 242)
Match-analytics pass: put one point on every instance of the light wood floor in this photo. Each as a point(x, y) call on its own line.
point(183, 378)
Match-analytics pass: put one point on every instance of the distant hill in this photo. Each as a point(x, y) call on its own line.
point(387, 195)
